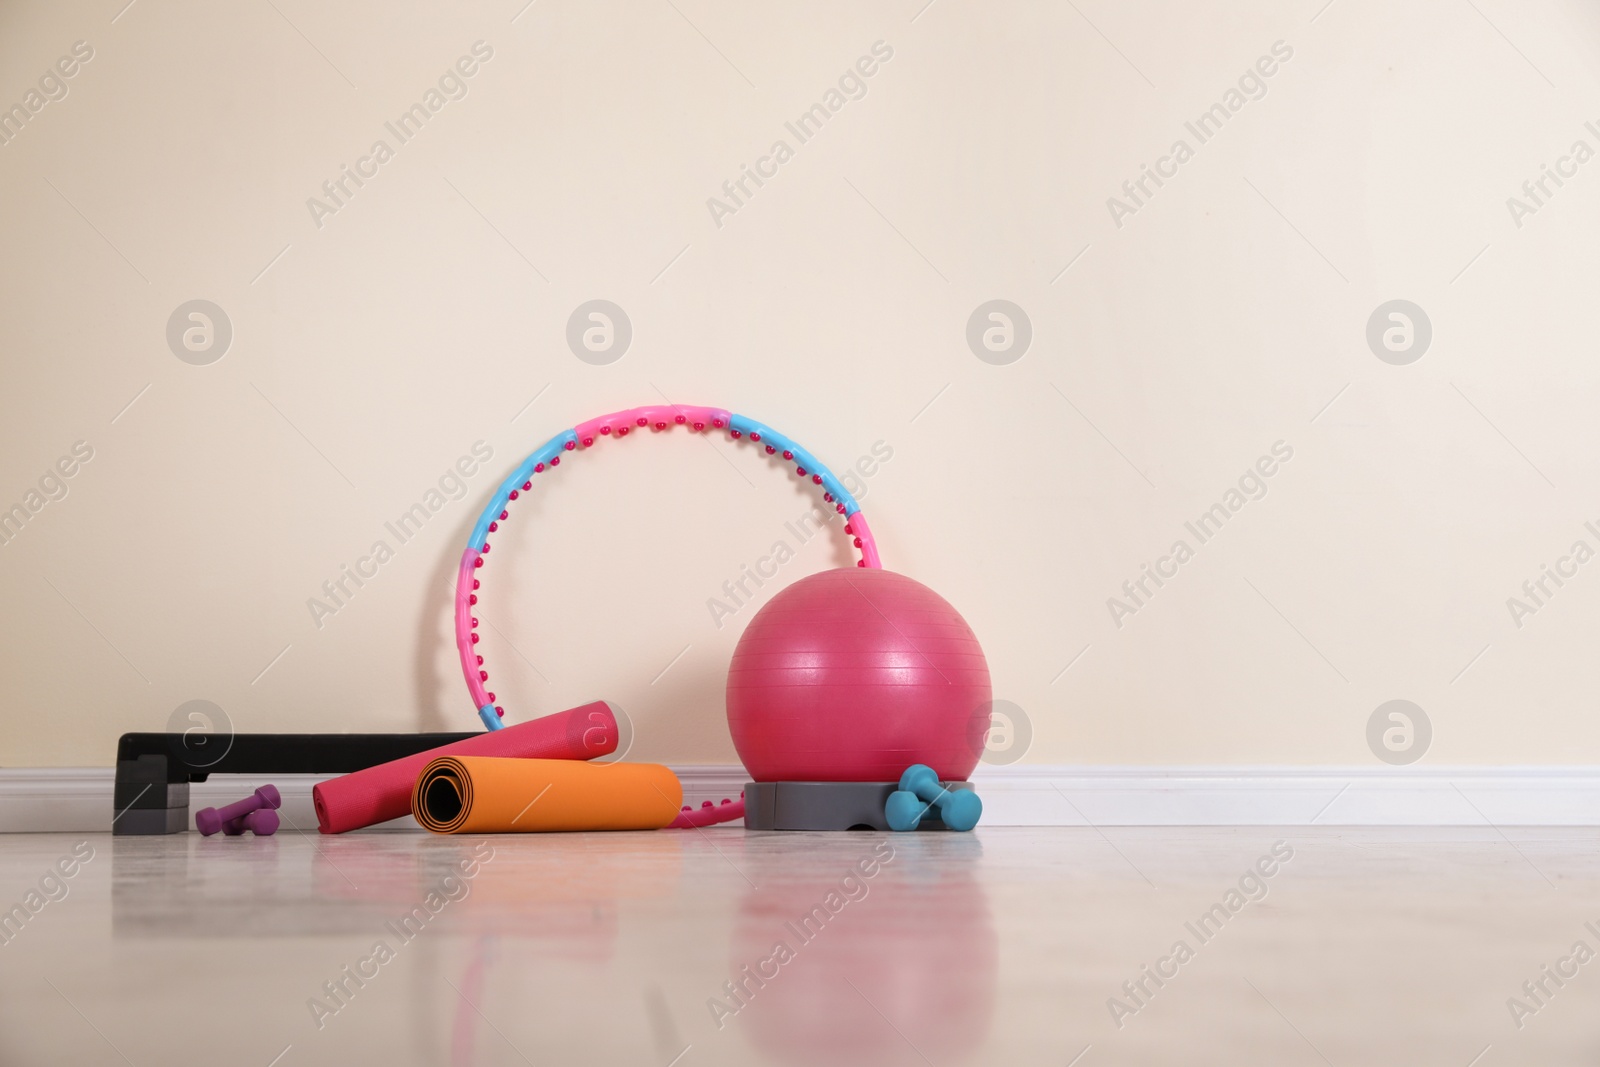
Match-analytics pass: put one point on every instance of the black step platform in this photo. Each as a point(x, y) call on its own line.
point(154, 770)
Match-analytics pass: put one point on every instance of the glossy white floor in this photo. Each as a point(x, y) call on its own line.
point(1001, 946)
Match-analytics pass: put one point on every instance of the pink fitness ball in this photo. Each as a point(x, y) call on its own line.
point(855, 675)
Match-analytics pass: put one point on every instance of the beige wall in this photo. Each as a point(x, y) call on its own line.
point(1227, 314)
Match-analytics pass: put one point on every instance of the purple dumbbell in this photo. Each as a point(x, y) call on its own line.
point(263, 822)
point(209, 820)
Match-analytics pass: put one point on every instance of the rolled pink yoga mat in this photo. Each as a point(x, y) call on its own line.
point(381, 793)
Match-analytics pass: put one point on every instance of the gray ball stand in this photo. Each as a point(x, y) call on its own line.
point(825, 805)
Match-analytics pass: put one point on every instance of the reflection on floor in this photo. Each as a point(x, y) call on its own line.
point(1008, 946)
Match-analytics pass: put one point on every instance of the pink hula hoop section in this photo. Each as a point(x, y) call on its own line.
point(659, 418)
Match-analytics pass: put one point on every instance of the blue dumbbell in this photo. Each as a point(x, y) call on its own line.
point(959, 809)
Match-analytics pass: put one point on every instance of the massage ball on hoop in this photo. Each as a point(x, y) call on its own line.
point(853, 675)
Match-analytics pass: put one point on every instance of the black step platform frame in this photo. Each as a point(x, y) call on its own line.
point(154, 770)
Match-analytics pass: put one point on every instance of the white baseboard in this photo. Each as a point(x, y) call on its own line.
point(1289, 796)
point(78, 799)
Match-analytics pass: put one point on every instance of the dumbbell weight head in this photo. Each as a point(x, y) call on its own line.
point(960, 809)
point(904, 810)
point(262, 822)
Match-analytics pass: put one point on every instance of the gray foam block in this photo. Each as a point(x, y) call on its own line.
point(824, 805)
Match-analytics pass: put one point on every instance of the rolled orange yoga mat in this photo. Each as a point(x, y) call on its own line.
point(487, 795)
point(381, 793)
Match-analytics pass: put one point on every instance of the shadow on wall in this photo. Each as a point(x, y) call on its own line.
point(438, 602)
point(435, 642)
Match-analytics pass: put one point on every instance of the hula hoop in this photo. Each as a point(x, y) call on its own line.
point(658, 418)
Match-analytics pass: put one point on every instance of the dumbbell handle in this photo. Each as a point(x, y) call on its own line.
point(922, 780)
